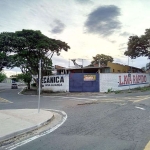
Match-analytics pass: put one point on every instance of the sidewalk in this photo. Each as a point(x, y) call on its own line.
point(15, 122)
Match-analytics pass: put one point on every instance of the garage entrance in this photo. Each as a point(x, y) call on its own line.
point(84, 82)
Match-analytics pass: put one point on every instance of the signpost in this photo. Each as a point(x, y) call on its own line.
point(129, 75)
point(39, 85)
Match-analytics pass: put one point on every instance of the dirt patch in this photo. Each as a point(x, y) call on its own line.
point(29, 92)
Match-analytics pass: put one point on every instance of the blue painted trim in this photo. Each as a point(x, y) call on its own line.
point(133, 84)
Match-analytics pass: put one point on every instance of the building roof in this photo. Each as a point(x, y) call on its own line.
point(81, 68)
point(58, 67)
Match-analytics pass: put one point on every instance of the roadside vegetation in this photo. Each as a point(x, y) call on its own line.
point(2, 76)
point(25, 48)
point(138, 89)
point(143, 89)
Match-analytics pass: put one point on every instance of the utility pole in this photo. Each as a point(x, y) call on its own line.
point(99, 64)
point(39, 85)
point(69, 63)
point(129, 73)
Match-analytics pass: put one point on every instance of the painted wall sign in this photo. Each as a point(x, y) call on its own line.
point(121, 81)
point(133, 79)
point(89, 77)
point(53, 80)
point(55, 83)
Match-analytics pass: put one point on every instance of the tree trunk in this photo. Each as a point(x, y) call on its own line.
point(28, 85)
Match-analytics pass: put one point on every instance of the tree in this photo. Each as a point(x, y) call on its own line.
point(5, 49)
point(138, 45)
point(29, 47)
point(143, 69)
point(2, 76)
point(26, 78)
point(104, 59)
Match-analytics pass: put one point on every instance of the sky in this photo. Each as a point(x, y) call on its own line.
point(89, 27)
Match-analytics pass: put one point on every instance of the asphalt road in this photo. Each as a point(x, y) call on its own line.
point(104, 122)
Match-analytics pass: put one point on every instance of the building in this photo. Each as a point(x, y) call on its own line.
point(119, 68)
point(95, 78)
point(83, 70)
point(110, 68)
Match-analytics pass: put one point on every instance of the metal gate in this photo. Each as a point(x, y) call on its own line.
point(84, 82)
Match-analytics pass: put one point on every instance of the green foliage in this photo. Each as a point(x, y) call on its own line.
point(138, 88)
point(117, 92)
point(33, 84)
point(26, 77)
point(29, 47)
point(109, 90)
point(5, 49)
point(2, 76)
point(143, 69)
point(104, 59)
point(143, 89)
point(138, 45)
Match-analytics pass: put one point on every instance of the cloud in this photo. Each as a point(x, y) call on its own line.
point(103, 20)
point(122, 44)
point(118, 60)
point(122, 48)
point(112, 41)
point(59, 27)
point(59, 60)
point(125, 34)
point(13, 71)
point(84, 1)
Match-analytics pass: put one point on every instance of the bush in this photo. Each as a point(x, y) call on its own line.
point(33, 84)
point(117, 92)
point(145, 89)
point(2, 76)
point(138, 88)
point(109, 90)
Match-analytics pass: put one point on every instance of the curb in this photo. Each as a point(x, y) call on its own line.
point(20, 92)
point(9, 137)
point(50, 130)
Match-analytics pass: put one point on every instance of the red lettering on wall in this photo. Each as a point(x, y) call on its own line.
point(137, 81)
point(133, 79)
point(125, 79)
point(130, 80)
point(139, 78)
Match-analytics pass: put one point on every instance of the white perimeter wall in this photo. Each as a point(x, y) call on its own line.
point(121, 81)
point(56, 83)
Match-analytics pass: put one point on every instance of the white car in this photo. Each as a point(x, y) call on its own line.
point(14, 86)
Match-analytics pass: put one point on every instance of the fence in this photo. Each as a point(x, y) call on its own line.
point(122, 81)
point(94, 82)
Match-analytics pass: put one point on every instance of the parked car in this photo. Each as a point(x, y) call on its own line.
point(14, 86)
